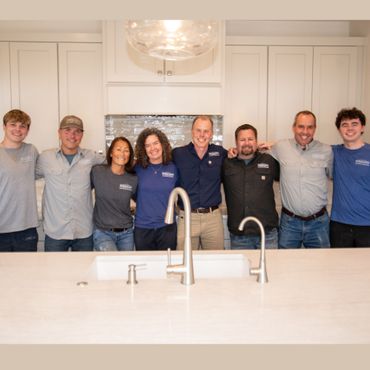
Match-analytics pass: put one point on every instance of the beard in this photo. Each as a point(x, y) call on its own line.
point(246, 150)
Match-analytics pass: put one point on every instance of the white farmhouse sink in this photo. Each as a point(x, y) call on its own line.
point(206, 266)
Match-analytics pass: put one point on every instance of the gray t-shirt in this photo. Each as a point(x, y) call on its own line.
point(18, 207)
point(112, 197)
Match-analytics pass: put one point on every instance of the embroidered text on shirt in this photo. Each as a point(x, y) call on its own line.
point(125, 187)
point(213, 154)
point(362, 162)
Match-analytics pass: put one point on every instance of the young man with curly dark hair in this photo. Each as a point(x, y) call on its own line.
point(350, 216)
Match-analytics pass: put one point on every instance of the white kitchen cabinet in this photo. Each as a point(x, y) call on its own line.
point(336, 85)
point(81, 89)
point(289, 87)
point(322, 79)
point(5, 98)
point(34, 89)
point(51, 80)
point(245, 90)
point(124, 64)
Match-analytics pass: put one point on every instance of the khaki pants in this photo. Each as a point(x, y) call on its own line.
point(207, 231)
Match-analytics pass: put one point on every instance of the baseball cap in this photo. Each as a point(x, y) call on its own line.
point(71, 121)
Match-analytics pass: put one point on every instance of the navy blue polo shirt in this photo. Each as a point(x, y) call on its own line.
point(201, 178)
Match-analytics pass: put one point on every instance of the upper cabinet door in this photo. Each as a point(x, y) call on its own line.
point(290, 87)
point(245, 90)
point(34, 89)
point(81, 89)
point(5, 97)
point(336, 85)
point(207, 68)
point(124, 64)
point(203, 69)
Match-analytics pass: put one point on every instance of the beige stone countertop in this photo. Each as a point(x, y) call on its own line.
point(313, 296)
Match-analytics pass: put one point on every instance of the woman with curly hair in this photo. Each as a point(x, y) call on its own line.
point(157, 177)
point(114, 183)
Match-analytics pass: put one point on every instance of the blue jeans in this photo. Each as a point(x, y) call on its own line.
point(63, 245)
point(254, 241)
point(19, 241)
point(111, 241)
point(311, 234)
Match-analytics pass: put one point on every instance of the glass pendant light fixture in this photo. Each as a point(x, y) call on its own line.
point(172, 39)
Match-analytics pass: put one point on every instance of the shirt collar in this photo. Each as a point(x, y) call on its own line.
point(192, 147)
point(307, 147)
point(59, 152)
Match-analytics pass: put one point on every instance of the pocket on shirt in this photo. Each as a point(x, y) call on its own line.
point(264, 174)
point(317, 166)
point(229, 172)
point(214, 168)
point(53, 171)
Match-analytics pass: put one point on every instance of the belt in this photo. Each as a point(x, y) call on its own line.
point(307, 218)
point(118, 230)
point(204, 210)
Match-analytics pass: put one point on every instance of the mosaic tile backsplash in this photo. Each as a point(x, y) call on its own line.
point(176, 127)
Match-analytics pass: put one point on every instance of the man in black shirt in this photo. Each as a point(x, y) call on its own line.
point(248, 182)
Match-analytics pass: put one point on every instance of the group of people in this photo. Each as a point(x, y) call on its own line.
point(149, 172)
point(304, 166)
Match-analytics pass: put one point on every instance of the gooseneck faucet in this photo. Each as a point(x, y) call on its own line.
point(261, 270)
point(186, 268)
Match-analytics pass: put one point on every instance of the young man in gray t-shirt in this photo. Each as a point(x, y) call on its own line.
point(18, 208)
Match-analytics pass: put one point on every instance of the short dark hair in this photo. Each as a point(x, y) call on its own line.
point(140, 151)
point(17, 115)
point(304, 113)
point(246, 126)
point(352, 113)
point(129, 166)
point(202, 117)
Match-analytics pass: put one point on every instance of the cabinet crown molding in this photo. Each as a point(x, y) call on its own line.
point(50, 37)
point(294, 41)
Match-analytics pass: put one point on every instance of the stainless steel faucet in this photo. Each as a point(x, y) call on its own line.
point(186, 268)
point(261, 270)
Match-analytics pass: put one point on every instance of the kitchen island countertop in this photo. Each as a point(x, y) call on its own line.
point(313, 296)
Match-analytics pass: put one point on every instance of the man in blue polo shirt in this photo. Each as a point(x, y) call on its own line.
point(199, 164)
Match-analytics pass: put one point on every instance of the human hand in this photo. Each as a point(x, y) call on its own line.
point(232, 153)
point(265, 145)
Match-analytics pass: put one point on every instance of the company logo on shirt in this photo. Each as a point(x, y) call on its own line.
point(170, 175)
point(362, 162)
point(127, 187)
point(263, 165)
point(213, 154)
point(27, 158)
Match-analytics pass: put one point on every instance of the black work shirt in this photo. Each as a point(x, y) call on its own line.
point(249, 192)
point(201, 178)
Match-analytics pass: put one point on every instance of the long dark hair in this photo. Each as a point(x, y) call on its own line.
point(129, 166)
point(140, 151)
